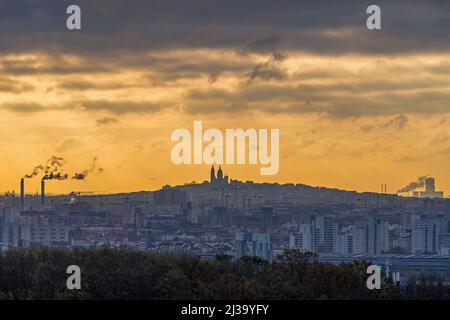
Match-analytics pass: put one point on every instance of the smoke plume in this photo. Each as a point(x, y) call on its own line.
point(83, 174)
point(414, 185)
point(36, 170)
point(55, 176)
point(51, 170)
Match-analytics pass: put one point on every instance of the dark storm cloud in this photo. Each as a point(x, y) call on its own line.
point(161, 68)
point(139, 35)
point(54, 67)
point(169, 69)
point(264, 45)
point(317, 99)
point(254, 25)
point(115, 107)
point(88, 85)
point(120, 107)
point(22, 107)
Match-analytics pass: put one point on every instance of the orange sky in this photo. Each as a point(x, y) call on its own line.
point(352, 121)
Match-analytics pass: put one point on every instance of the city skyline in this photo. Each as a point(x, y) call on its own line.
point(423, 187)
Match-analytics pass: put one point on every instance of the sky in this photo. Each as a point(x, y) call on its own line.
point(355, 108)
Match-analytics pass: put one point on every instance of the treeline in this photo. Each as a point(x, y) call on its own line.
point(128, 274)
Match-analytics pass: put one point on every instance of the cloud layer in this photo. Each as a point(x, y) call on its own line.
point(255, 25)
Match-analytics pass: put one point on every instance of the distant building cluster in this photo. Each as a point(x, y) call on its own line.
point(231, 218)
point(373, 236)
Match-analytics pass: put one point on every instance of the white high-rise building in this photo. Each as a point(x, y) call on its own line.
point(324, 234)
point(303, 239)
point(358, 233)
point(344, 243)
point(425, 237)
point(370, 236)
point(254, 244)
point(378, 236)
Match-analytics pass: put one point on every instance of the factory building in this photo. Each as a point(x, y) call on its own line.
point(430, 190)
point(253, 244)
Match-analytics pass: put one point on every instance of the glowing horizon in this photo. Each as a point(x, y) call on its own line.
point(355, 109)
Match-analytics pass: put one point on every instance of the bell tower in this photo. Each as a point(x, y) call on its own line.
point(213, 175)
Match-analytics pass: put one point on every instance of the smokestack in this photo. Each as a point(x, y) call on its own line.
point(42, 191)
point(22, 193)
point(430, 185)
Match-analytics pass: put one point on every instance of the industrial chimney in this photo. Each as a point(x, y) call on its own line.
point(22, 193)
point(42, 192)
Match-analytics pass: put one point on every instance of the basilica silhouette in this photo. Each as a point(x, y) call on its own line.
point(220, 179)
